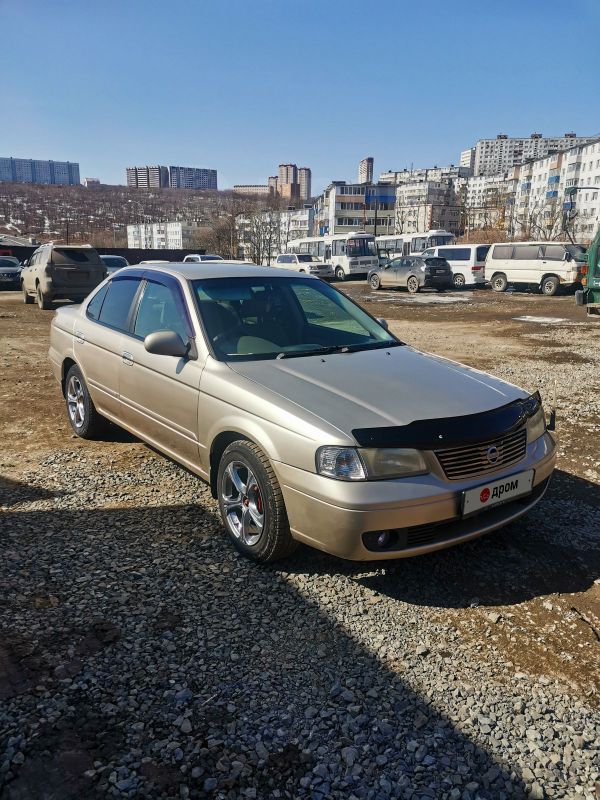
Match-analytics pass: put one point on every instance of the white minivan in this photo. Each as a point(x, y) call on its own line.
point(542, 265)
point(466, 260)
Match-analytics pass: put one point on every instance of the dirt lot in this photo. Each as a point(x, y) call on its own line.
point(523, 604)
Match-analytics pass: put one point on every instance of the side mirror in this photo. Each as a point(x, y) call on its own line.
point(383, 322)
point(166, 343)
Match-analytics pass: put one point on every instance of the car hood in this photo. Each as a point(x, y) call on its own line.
point(380, 387)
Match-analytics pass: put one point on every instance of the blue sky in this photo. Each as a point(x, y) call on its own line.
point(242, 85)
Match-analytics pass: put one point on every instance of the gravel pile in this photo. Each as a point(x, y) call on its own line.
point(141, 657)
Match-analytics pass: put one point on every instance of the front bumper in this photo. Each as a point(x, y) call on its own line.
point(333, 515)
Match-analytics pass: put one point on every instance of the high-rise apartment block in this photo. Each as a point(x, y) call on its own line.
point(491, 156)
point(305, 181)
point(273, 184)
point(365, 170)
point(164, 235)
point(159, 177)
point(31, 170)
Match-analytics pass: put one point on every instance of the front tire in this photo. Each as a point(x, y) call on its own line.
point(340, 274)
point(412, 284)
point(27, 298)
point(42, 301)
point(499, 282)
point(375, 282)
point(550, 286)
point(459, 281)
point(251, 504)
point(86, 422)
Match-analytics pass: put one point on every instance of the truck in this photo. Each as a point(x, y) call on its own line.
point(589, 296)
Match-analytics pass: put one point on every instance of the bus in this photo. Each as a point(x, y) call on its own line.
point(350, 254)
point(408, 244)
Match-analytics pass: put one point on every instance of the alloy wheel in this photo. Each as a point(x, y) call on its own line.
point(76, 401)
point(243, 503)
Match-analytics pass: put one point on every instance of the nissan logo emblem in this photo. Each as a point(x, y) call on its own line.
point(492, 454)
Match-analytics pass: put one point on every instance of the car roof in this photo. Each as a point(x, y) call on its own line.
point(211, 269)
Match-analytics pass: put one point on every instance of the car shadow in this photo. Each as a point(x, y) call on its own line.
point(554, 548)
point(157, 618)
point(14, 492)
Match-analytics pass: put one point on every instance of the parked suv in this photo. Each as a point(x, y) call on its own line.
point(467, 262)
point(10, 272)
point(413, 272)
point(539, 265)
point(303, 262)
point(61, 272)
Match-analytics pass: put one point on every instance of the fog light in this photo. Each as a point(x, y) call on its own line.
point(383, 539)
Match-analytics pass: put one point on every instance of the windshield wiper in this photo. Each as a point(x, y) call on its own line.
point(338, 348)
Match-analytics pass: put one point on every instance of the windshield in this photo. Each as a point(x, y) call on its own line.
point(115, 261)
point(7, 261)
point(434, 261)
point(304, 258)
point(440, 239)
point(364, 246)
point(250, 318)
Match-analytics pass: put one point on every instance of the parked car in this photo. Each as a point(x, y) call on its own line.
point(414, 273)
point(541, 265)
point(467, 262)
point(10, 272)
point(113, 263)
point(61, 272)
point(309, 419)
point(196, 258)
point(303, 262)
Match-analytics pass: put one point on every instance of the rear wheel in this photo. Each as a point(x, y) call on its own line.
point(85, 420)
point(27, 298)
point(251, 504)
point(412, 284)
point(459, 281)
point(375, 281)
point(499, 282)
point(550, 285)
point(42, 301)
point(340, 274)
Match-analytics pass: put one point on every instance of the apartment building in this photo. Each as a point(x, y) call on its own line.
point(493, 156)
point(31, 170)
point(426, 205)
point(365, 170)
point(345, 207)
point(148, 177)
point(262, 236)
point(161, 177)
point(164, 235)
point(253, 189)
point(449, 173)
point(305, 183)
point(192, 178)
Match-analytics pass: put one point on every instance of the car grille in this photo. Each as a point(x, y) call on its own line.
point(468, 462)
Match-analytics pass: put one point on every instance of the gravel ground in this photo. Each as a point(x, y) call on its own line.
point(140, 656)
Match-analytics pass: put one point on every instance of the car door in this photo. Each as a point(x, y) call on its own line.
point(388, 274)
point(98, 341)
point(160, 393)
point(403, 270)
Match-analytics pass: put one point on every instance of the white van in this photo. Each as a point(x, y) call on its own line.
point(467, 262)
point(544, 265)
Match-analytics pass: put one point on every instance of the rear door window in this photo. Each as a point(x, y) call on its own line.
point(95, 304)
point(118, 301)
point(75, 258)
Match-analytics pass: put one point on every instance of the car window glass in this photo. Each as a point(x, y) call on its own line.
point(117, 304)
point(95, 304)
point(555, 252)
point(482, 252)
point(161, 309)
point(502, 251)
point(526, 252)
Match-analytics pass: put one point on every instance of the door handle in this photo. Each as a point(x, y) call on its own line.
point(128, 359)
point(79, 337)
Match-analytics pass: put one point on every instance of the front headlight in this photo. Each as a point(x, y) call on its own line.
point(342, 463)
point(536, 425)
point(350, 464)
point(393, 462)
